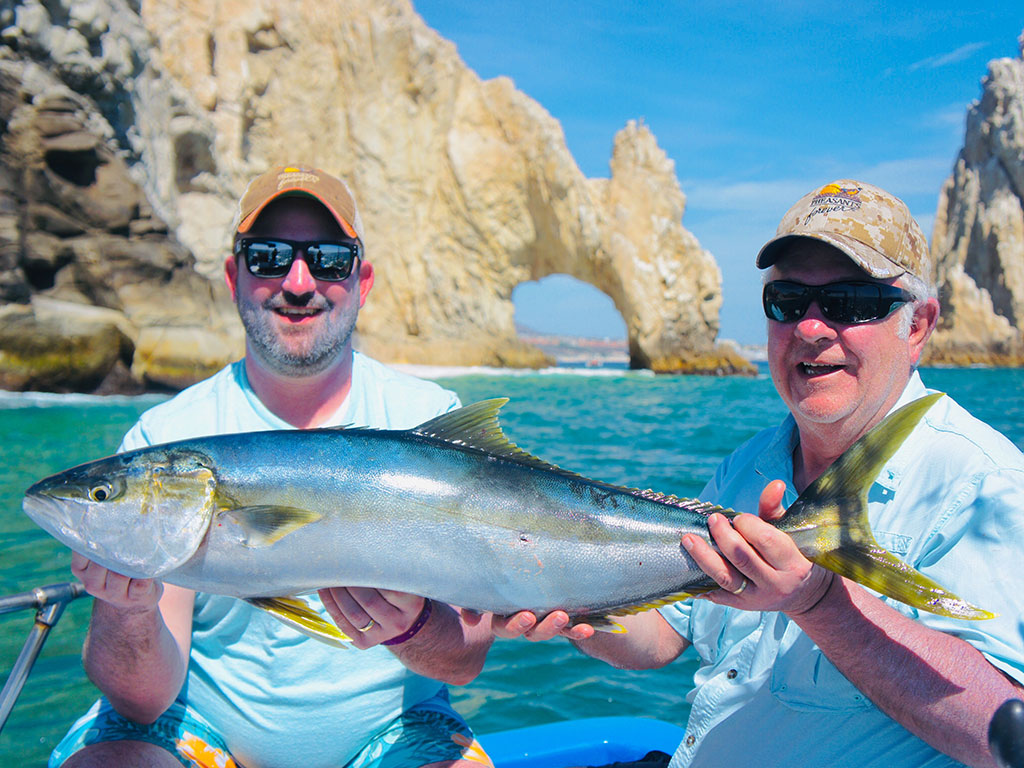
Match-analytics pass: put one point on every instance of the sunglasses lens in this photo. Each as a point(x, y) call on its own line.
point(273, 258)
point(330, 261)
point(849, 303)
point(785, 302)
point(268, 258)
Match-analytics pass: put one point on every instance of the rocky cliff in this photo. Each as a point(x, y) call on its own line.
point(978, 239)
point(95, 293)
point(466, 186)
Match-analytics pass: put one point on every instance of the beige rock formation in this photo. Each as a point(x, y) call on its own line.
point(978, 239)
point(466, 186)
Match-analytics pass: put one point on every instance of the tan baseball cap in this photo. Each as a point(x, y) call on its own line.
point(872, 227)
point(299, 180)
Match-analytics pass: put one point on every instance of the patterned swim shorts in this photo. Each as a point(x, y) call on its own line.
point(430, 732)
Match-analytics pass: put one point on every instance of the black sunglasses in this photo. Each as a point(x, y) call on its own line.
point(846, 302)
point(327, 259)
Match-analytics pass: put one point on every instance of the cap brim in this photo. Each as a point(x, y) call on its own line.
point(871, 261)
point(246, 223)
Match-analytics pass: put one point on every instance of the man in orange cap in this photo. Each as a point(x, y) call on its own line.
point(206, 680)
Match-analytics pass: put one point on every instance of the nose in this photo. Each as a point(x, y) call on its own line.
point(813, 327)
point(299, 281)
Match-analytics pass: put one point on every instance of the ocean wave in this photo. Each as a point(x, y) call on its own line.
point(454, 371)
point(54, 399)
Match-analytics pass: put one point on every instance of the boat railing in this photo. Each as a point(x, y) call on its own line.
point(49, 602)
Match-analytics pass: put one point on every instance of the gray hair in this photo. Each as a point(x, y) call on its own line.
point(920, 291)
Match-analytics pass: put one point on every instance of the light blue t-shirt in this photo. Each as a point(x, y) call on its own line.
point(277, 697)
point(951, 503)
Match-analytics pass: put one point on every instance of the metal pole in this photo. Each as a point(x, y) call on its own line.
point(50, 602)
point(41, 596)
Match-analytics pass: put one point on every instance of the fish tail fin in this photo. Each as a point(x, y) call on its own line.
point(829, 521)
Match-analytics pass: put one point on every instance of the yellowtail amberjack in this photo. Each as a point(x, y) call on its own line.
point(450, 510)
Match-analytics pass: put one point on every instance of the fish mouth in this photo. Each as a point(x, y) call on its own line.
point(49, 514)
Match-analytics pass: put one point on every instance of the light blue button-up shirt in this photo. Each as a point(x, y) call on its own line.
point(951, 503)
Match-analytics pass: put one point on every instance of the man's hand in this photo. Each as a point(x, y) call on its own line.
point(113, 588)
point(758, 567)
point(525, 624)
point(371, 616)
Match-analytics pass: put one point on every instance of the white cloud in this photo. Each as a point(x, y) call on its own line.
point(904, 177)
point(745, 196)
point(909, 177)
point(941, 60)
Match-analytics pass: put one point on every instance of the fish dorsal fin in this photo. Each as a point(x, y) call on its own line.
point(476, 427)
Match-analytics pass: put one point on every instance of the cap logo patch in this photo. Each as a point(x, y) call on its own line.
point(292, 177)
point(833, 198)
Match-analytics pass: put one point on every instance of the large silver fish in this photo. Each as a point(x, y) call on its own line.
point(450, 510)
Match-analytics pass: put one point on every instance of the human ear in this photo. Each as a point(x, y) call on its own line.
point(923, 322)
point(231, 274)
point(365, 281)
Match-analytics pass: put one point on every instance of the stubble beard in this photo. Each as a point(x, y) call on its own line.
point(319, 352)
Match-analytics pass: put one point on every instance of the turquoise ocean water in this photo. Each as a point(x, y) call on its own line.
point(666, 433)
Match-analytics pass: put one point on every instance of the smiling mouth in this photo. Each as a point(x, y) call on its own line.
point(818, 369)
point(297, 313)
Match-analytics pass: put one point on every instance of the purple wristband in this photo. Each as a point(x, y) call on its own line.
point(416, 626)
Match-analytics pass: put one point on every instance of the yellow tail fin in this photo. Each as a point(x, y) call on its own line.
point(829, 521)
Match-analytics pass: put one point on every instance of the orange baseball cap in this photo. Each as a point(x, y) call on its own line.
point(283, 180)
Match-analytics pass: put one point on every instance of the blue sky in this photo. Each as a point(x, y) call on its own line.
point(757, 103)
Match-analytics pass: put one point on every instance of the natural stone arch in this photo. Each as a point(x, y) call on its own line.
point(466, 186)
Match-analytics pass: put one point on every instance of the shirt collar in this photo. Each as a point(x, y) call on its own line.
point(776, 460)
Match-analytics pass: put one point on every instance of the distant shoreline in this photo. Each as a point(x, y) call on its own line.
point(596, 352)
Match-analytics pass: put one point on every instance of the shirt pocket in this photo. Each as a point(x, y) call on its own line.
point(804, 679)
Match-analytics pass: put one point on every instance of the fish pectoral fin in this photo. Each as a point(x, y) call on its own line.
point(265, 525)
point(299, 616)
point(605, 621)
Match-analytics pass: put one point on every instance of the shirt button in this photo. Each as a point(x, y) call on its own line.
point(731, 674)
point(691, 740)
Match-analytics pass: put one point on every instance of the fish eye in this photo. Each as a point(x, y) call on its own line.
point(101, 492)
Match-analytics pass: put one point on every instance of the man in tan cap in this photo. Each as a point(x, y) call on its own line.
point(800, 666)
point(207, 680)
